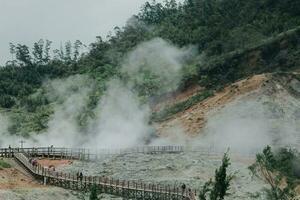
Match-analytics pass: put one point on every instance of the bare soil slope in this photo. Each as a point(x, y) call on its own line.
point(16, 177)
point(194, 118)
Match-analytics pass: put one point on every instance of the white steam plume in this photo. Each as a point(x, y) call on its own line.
point(71, 96)
point(5, 138)
point(249, 124)
point(121, 120)
point(161, 59)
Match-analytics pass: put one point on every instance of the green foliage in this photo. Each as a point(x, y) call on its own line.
point(280, 170)
point(23, 55)
point(4, 164)
point(217, 189)
point(38, 49)
point(94, 193)
point(6, 101)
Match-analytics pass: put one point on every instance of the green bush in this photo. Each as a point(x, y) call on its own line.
point(94, 193)
point(6, 101)
point(4, 164)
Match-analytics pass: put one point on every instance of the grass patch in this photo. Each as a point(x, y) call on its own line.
point(4, 164)
point(176, 108)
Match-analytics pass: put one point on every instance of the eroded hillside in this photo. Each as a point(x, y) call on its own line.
point(194, 118)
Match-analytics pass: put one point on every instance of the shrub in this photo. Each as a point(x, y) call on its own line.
point(94, 193)
point(4, 164)
point(6, 101)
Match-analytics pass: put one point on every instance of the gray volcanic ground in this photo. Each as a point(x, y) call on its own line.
point(192, 168)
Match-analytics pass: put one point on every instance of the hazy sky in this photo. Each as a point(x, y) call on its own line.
point(27, 21)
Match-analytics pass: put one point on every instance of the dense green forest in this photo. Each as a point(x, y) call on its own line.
point(226, 33)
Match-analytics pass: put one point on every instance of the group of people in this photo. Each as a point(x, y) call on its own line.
point(33, 161)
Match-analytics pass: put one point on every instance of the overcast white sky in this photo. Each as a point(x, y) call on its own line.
point(27, 21)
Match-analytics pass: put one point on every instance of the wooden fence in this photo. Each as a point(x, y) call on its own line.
point(87, 154)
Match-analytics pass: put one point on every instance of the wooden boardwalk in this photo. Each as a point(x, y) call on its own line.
point(122, 188)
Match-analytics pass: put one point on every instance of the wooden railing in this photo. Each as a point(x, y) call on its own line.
point(95, 154)
point(125, 189)
point(87, 154)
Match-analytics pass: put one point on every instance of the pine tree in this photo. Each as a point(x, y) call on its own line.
point(217, 189)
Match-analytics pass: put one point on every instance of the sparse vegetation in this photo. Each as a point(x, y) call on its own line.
point(178, 107)
point(4, 164)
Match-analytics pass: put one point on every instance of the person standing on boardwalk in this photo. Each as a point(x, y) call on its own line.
point(183, 187)
point(81, 176)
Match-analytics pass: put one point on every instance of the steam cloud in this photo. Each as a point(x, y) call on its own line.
point(161, 59)
point(121, 120)
point(248, 124)
point(4, 136)
point(72, 96)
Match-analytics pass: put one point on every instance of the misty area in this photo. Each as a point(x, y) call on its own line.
point(221, 79)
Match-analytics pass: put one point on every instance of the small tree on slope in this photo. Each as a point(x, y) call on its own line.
point(217, 189)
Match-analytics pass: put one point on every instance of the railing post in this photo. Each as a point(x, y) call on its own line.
point(45, 180)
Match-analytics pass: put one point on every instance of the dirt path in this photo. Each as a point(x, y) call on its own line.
point(16, 177)
point(56, 163)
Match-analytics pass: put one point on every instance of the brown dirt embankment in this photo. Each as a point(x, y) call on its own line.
point(15, 177)
point(193, 119)
point(55, 163)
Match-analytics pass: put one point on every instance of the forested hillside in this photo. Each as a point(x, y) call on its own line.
point(233, 39)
